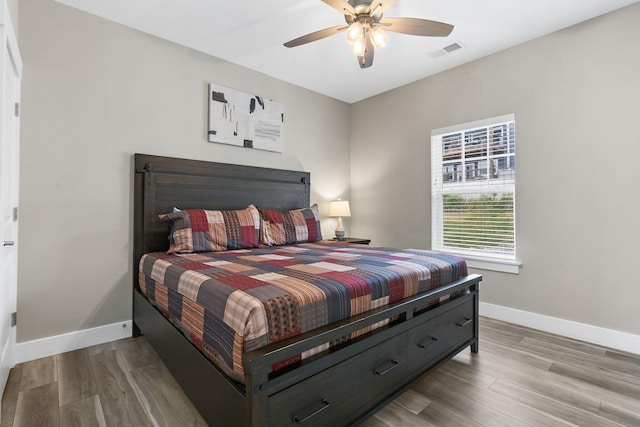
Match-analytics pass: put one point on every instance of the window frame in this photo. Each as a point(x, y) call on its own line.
point(475, 258)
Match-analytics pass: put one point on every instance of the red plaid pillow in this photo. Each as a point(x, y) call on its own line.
point(296, 226)
point(198, 230)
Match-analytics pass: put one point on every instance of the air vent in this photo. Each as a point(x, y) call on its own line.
point(446, 50)
point(452, 47)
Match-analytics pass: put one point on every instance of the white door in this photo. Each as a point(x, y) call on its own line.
point(11, 67)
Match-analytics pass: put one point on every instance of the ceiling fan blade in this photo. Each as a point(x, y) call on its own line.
point(341, 6)
point(417, 27)
point(366, 60)
point(378, 7)
point(317, 35)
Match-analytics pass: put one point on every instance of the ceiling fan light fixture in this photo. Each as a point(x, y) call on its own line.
point(354, 33)
point(358, 47)
point(379, 37)
point(364, 33)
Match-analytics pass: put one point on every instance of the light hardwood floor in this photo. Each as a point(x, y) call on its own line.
point(520, 377)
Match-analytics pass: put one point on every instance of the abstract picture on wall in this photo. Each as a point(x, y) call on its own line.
point(245, 120)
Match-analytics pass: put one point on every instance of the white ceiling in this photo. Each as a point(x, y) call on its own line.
point(251, 33)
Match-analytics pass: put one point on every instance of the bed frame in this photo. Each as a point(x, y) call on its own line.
point(343, 386)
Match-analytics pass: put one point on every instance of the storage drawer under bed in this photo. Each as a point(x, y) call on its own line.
point(437, 337)
point(334, 395)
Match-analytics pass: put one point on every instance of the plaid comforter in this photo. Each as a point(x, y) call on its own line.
point(230, 302)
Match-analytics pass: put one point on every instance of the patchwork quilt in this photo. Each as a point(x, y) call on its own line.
point(230, 302)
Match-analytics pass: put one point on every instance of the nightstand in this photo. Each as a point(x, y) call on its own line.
point(353, 240)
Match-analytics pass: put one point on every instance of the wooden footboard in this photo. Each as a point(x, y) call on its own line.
point(348, 385)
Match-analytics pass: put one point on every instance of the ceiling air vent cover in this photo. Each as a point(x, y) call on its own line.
point(452, 47)
point(443, 51)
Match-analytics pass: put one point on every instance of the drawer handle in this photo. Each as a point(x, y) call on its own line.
point(464, 323)
point(430, 341)
point(8, 243)
point(324, 406)
point(383, 372)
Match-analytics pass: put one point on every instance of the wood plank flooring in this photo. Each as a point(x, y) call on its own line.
point(122, 383)
point(520, 377)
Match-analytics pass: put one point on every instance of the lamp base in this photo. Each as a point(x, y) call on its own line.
point(340, 229)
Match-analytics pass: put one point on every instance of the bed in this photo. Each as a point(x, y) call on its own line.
point(339, 370)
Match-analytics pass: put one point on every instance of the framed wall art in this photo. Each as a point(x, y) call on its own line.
point(245, 120)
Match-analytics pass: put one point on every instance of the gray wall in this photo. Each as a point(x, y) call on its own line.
point(94, 93)
point(576, 99)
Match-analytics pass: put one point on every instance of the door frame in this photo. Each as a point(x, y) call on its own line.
point(10, 57)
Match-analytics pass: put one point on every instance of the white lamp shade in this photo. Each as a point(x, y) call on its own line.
point(379, 38)
point(339, 208)
point(358, 47)
point(354, 33)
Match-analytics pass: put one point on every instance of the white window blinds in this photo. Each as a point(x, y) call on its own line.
point(473, 188)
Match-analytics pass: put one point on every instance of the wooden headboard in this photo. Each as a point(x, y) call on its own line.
point(164, 182)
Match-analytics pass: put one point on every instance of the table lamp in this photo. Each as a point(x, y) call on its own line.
point(339, 208)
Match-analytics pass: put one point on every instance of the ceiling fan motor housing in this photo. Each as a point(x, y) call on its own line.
point(364, 12)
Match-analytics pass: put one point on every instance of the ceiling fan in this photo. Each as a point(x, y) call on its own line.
point(365, 29)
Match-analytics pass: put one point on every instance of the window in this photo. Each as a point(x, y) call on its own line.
point(473, 192)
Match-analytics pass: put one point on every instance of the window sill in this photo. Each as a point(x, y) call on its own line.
point(503, 266)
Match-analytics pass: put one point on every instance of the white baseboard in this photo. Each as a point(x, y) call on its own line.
point(44, 347)
point(580, 331)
